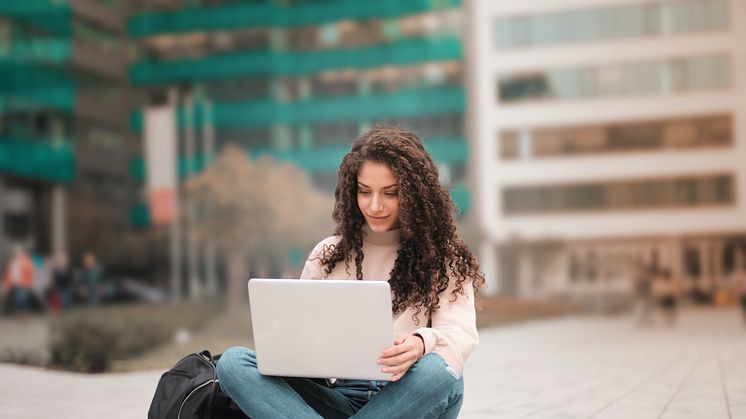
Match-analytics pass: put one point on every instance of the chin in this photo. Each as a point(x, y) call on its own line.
point(379, 228)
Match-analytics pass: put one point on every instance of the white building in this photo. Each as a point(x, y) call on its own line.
point(608, 134)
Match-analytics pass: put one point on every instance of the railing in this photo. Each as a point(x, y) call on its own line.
point(41, 51)
point(402, 104)
point(38, 159)
point(60, 98)
point(275, 15)
point(403, 52)
point(54, 16)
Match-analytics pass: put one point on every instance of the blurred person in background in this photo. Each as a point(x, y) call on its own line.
point(41, 279)
point(667, 293)
point(90, 277)
point(18, 283)
point(394, 221)
point(739, 284)
point(63, 282)
point(644, 296)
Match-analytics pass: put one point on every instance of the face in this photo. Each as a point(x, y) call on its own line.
point(62, 261)
point(89, 260)
point(378, 196)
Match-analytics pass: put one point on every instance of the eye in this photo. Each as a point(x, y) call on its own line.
point(392, 194)
point(364, 193)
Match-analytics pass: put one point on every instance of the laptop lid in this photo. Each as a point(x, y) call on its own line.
point(321, 328)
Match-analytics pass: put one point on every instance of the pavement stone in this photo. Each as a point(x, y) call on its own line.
point(608, 368)
point(571, 367)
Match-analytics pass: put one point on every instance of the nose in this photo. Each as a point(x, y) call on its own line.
point(376, 204)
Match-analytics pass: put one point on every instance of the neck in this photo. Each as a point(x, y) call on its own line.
point(384, 238)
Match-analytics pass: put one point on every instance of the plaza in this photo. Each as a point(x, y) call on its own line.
point(567, 367)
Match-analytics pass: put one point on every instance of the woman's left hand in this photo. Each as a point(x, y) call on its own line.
point(399, 358)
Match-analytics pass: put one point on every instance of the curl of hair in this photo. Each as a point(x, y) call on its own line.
point(430, 251)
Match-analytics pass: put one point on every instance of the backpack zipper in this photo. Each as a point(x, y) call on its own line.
point(206, 360)
point(178, 416)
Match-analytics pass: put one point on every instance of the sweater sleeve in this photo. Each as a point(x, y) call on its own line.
point(312, 269)
point(453, 333)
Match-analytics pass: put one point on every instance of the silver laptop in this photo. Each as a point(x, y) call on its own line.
point(321, 328)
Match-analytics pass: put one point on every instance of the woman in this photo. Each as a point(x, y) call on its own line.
point(394, 221)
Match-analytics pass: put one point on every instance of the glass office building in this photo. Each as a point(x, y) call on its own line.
point(65, 143)
point(299, 80)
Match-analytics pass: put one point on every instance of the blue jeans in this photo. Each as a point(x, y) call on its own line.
point(430, 389)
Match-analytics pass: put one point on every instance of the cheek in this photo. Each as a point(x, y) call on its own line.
point(395, 208)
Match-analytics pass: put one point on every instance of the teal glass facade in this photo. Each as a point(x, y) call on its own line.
point(300, 80)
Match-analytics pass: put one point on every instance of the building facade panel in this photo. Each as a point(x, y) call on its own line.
point(618, 137)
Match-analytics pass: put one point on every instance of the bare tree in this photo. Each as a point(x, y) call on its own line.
point(256, 208)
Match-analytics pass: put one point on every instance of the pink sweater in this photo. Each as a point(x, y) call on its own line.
point(453, 334)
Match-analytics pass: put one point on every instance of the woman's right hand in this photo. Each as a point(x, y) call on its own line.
point(399, 358)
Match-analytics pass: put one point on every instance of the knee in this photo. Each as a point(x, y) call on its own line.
point(435, 366)
point(436, 375)
point(235, 362)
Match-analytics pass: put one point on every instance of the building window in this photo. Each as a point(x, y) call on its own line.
point(200, 44)
point(99, 38)
point(238, 89)
point(100, 137)
point(423, 75)
point(660, 18)
point(334, 133)
point(656, 135)
point(431, 126)
point(680, 192)
point(334, 84)
point(678, 75)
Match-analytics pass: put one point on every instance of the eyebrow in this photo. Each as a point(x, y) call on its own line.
point(385, 187)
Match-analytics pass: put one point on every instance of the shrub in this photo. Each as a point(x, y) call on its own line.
point(88, 340)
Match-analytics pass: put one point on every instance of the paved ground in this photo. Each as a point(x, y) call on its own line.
point(607, 368)
point(565, 368)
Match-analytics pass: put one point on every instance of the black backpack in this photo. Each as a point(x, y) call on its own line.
point(190, 390)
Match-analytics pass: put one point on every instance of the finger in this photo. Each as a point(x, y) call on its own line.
point(393, 351)
point(398, 376)
point(397, 369)
point(392, 362)
point(396, 348)
point(409, 355)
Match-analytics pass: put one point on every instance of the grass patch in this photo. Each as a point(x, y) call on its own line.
point(222, 332)
point(90, 339)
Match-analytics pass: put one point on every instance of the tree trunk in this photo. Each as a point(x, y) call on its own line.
point(211, 268)
point(237, 279)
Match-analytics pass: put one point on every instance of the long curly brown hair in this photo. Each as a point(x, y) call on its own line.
point(429, 247)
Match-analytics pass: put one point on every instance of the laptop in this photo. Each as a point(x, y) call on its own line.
point(321, 328)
